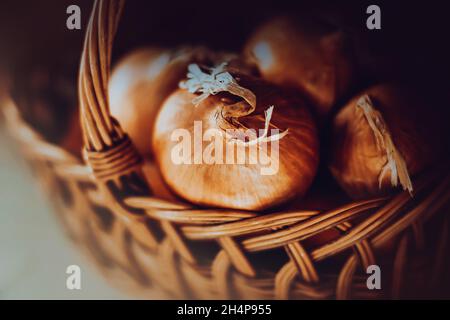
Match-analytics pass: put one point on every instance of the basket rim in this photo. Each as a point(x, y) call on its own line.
point(239, 232)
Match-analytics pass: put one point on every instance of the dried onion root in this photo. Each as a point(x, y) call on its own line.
point(219, 80)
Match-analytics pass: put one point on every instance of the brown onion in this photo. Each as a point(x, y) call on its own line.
point(233, 184)
point(309, 57)
point(381, 139)
point(143, 79)
point(139, 84)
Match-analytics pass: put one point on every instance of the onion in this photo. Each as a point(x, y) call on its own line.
point(143, 79)
point(210, 171)
point(381, 139)
point(139, 84)
point(311, 58)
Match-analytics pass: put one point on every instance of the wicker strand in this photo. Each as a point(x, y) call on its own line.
point(100, 131)
point(284, 279)
point(399, 267)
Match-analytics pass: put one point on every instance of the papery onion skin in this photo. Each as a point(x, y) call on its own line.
point(308, 57)
point(356, 161)
point(239, 186)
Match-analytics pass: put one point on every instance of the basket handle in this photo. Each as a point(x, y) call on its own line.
point(108, 151)
point(100, 130)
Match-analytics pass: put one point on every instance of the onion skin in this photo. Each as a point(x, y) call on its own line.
point(239, 186)
point(356, 161)
point(303, 57)
point(139, 84)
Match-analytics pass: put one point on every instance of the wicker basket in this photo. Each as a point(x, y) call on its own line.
point(142, 241)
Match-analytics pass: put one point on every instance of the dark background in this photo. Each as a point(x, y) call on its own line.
point(34, 32)
point(413, 42)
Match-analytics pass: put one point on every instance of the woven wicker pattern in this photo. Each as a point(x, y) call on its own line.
point(135, 237)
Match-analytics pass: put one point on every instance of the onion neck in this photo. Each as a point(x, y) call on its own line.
point(220, 80)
